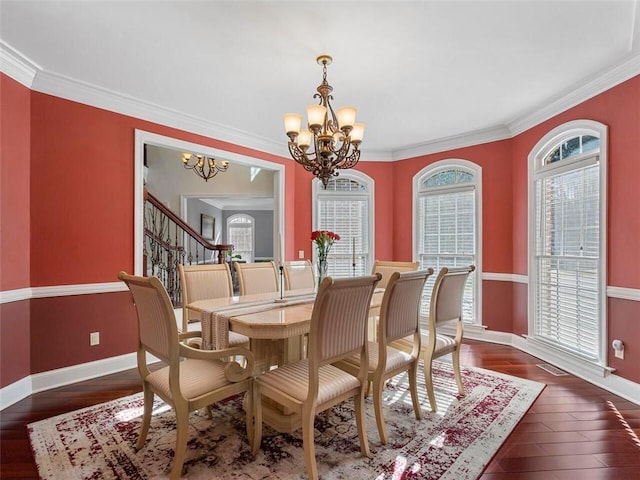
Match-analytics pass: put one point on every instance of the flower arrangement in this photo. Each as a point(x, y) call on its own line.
point(323, 239)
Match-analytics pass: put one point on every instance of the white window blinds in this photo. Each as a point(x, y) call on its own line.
point(446, 225)
point(567, 258)
point(348, 217)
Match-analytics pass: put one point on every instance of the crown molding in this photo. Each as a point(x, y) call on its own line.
point(462, 140)
point(30, 74)
point(95, 96)
point(578, 93)
point(17, 66)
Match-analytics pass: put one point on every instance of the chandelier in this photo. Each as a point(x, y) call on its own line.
point(204, 167)
point(332, 139)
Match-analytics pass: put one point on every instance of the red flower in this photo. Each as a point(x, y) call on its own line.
point(323, 240)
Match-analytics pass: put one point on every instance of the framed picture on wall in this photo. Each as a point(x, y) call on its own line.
point(207, 226)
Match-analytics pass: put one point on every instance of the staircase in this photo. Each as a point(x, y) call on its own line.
point(169, 241)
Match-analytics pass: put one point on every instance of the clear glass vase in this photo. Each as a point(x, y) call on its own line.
point(322, 268)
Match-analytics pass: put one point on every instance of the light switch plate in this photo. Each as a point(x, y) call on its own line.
point(619, 353)
point(94, 339)
point(301, 254)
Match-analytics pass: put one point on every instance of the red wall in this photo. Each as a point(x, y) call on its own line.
point(67, 172)
point(15, 208)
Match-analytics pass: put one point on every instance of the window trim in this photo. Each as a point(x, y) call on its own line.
point(252, 226)
point(476, 185)
point(369, 194)
point(536, 169)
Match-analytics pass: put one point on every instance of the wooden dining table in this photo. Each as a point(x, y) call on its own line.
point(275, 325)
point(276, 328)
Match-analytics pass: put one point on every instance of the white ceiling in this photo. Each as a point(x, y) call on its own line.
point(419, 72)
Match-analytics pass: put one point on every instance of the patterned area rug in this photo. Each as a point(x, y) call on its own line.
point(457, 442)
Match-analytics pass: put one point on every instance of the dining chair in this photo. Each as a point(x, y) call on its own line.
point(190, 378)
point(313, 385)
point(201, 282)
point(258, 277)
point(388, 268)
point(445, 308)
point(399, 318)
point(298, 274)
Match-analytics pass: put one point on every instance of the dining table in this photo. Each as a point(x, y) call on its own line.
point(276, 326)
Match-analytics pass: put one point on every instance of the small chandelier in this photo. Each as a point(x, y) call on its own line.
point(204, 167)
point(334, 137)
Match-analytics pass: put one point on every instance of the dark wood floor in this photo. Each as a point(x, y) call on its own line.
point(574, 430)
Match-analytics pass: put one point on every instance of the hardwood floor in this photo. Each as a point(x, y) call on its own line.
point(574, 430)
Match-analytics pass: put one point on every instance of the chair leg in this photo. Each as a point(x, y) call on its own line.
point(146, 416)
point(428, 378)
point(360, 421)
point(308, 418)
point(378, 387)
point(257, 420)
point(182, 434)
point(413, 387)
point(249, 416)
point(456, 369)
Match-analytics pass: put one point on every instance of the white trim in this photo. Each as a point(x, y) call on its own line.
point(476, 171)
point(9, 296)
point(505, 277)
point(15, 392)
point(86, 289)
point(370, 194)
point(578, 93)
point(597, 375)
point(17, 66)
point(536, 170)
point(624, 293)
point(23, 70)
point(143, 137)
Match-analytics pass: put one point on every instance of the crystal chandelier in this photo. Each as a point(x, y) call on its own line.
point(332, 139)
point(204, 167)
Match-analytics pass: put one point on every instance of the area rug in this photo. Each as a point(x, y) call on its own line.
point(457, 442)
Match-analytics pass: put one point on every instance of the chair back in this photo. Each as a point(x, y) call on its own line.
point(259, 277)
point(200, 282)
point(157, 329)
point(386, 269)
point(298, 274)
point(447, 295)
point(339, 318)
point(400, 309)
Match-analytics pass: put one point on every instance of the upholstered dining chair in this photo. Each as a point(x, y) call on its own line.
point(200, 282)
point(191, 378)
point(258, 277)
point(298, 274)
point(387, 268)
point(399, 318)
point(313, 385)
point(445, 308)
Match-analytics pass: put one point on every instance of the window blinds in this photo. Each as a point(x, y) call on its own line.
point(348, 217)
point(567, 259)
point(447, 239)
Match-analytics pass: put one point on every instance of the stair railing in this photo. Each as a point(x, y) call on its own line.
point(169, 241)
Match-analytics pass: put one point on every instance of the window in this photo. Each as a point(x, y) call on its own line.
point(566, 251)
point(446, 233)
point(240, 234)
point(345, 207)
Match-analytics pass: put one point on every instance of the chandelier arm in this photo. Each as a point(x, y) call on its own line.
point(351, 160)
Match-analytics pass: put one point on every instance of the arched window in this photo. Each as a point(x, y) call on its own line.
point(346, 208)
point(447, 230)
point(240, 233)
point(566, 247)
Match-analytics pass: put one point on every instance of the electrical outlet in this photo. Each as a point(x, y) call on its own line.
point(301, 254)
point(94, 338)
point(619, 353)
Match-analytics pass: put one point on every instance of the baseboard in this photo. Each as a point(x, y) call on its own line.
point(599, 376)
point(64, 376)
point(15, 392)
